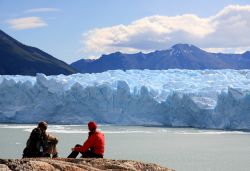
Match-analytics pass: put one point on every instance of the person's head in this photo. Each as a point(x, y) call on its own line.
point(92, 126)
point(43, 125)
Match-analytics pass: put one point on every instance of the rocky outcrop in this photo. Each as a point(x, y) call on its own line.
point(88, 164)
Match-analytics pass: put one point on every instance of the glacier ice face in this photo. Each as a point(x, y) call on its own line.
point(196, 98)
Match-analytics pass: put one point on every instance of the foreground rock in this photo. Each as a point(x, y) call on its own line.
point(76, 164)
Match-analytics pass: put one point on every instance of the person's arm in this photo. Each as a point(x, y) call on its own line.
point(35, 135)
point(37, 138)
point(43, 141)
point(87, 144)
point(51, 138)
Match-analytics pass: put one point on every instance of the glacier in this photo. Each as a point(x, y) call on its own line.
point(216, 99)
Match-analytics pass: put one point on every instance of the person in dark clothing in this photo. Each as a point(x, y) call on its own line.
point(40, 143)
point(93, 147)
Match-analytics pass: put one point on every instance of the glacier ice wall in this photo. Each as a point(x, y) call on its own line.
point(195, 98)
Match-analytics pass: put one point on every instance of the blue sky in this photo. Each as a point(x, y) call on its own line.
point(71, 30)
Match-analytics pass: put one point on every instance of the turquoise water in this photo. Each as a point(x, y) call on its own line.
point(179, 148)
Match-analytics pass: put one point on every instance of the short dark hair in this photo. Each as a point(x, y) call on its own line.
point(43, 125)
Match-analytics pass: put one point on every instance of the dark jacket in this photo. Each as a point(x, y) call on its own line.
point(35, 144)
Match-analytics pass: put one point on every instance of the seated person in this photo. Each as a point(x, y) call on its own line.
point(40, 143)
point(51, 142)
point(93, 147)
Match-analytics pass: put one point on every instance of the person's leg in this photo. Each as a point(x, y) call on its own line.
point(87, 154)
point(51, 142)
point(54, 150)
point(48, 150)
point(90, 154)
point(74, 154)
point(25, 152)
point(28, 153)
point(98, 155)
point(55, 153)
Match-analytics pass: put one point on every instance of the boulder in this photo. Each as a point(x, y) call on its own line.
point(88, 164)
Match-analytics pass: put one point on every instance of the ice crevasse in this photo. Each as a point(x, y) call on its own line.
point(186, 98)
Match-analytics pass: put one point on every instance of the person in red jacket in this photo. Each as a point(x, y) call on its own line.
point(93, 147)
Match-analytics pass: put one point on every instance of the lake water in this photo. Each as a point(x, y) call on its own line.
point(179, 148)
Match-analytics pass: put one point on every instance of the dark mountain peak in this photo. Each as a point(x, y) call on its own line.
point(117, 54)
point(17, 58)
point(85, 60)
point(6, 38)
point(181, 46)
point(246, 54)
point(2, 33)
point(112, 56)
point(89, 60)
point(185, 47)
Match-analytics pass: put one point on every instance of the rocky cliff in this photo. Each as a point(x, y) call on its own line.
point(59, 164)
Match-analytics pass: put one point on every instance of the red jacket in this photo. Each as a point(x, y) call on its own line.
point(95, 142)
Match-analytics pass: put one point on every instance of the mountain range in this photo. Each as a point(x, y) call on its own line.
point(181, 56)
point(19, 59)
